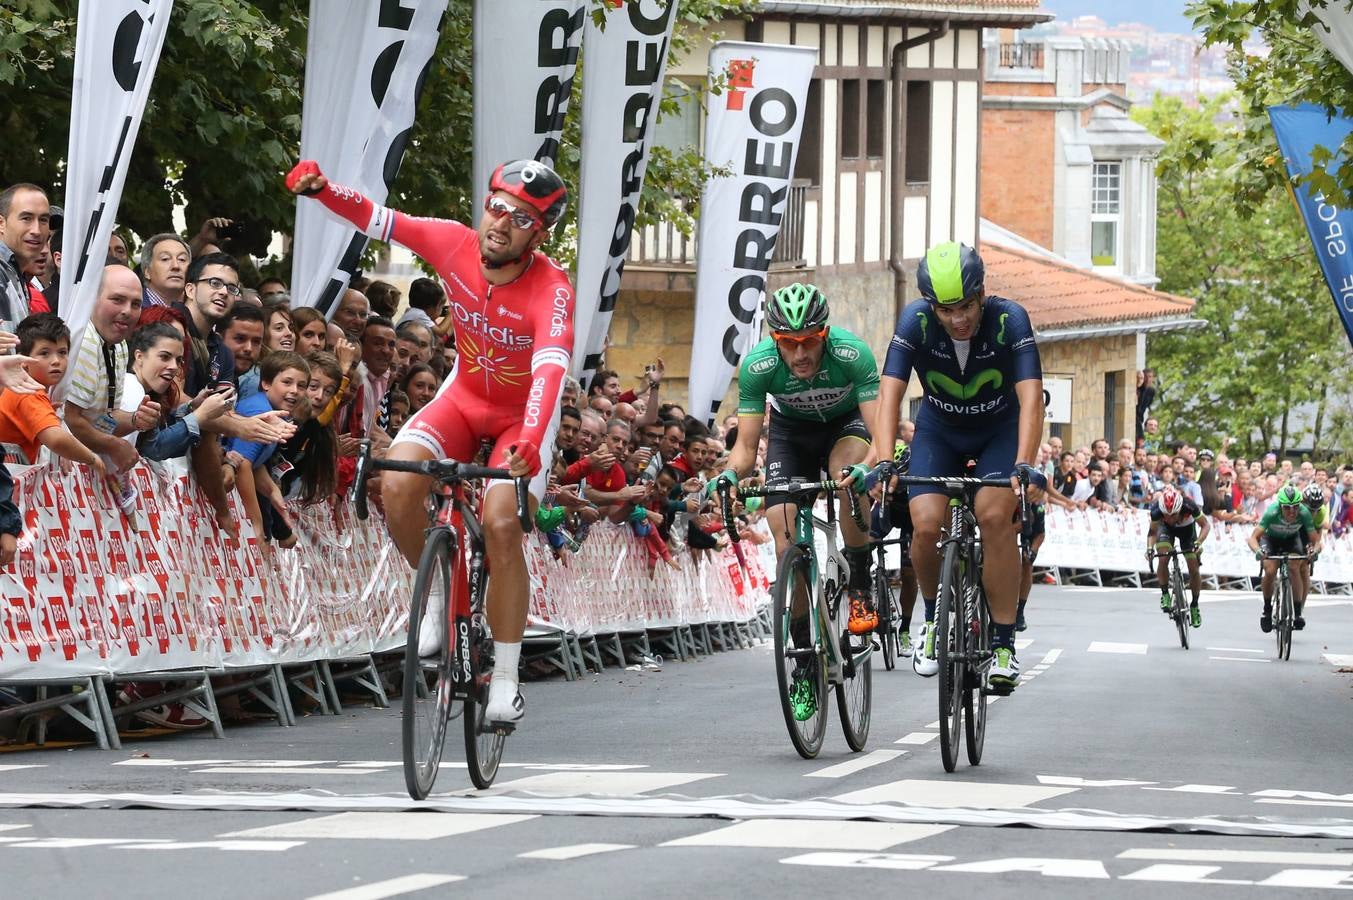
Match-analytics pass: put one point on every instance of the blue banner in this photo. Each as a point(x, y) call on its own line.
point(1300, 129)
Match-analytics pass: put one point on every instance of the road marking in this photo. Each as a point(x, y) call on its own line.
point(903, 861)
point(60, 843)
point(1200, 789)
point(378, 890)
point(16, 767)
point(934, 724)
point(1051, 656)
point(1186, 874)
point(851, 766)
point(1310, 878)
point(574, 851)
point(1112, 647)
point(951, 794)
point(1235, 650)
point(1337, 803)
point(14, 827)
point(279, 770)
point(1075, 781)
point(392, 826)
point(565, 784)
point(1271, 857)
point(1023, 643)
point(1341, 660)
point(794, 833)
point(1240, 659)
point(1287, 794)
point(369, 765)
point(1056, 868)
point(247, 846)
point(917, 737)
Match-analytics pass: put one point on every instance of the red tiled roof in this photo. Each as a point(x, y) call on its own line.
point(1060, 295)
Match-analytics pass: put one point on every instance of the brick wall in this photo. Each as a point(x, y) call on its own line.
point(1087, 361)
point(1018, 149)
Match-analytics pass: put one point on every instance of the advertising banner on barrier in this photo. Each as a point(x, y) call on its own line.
point(521, 94)
point(753, 129)
point(1300, 129)
point(623, 68)
point(117, 49)
point(364, 70)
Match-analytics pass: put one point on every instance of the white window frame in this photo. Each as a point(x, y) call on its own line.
point(1106, 205)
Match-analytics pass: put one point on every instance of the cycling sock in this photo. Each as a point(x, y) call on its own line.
point(929, 609)
point(505, 659)
point(860, 561)
point(1003, 635)
point(906, 623)
point(799, 631)
point(1021, 605)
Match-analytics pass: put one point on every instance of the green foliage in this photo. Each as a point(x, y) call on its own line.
point(1297, 69)
point(1273, 339)
point(223, 121)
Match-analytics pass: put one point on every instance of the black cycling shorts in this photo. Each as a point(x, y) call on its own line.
point(1034, 527)
point(1272, 545)
point(799, 450)
point(1185, 534)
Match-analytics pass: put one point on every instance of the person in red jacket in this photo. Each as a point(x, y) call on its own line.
point(513, 311)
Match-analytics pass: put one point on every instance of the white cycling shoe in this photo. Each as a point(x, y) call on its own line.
point(923, 660)
point(431, 628)
point(505, 702)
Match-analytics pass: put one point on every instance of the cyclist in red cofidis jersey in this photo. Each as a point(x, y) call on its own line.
point(513, 309)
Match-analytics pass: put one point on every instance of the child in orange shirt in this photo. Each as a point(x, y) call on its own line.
point(29, 420)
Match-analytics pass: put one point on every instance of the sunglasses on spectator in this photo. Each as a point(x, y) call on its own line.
point(803, 340)
point(497, 207)
point(217, 284)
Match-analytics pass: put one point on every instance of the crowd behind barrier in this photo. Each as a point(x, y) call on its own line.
point(94, 592)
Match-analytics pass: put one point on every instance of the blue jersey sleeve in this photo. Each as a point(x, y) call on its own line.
point(909, 337)
point(1018, 334)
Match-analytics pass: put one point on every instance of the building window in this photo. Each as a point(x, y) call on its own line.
point(850, 119)
point(916, 166)
point(681, 131)
point(808, 164)
point(1106, 213)
point(876, 119)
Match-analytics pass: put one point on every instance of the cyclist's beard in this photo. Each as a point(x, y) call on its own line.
point(495, 255)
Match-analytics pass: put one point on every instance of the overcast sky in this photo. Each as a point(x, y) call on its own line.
point(1164, 15)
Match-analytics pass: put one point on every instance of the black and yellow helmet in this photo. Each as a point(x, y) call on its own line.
point(796, 307)
point(950, 273)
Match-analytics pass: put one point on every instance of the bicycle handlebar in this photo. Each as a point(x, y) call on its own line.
point(446, 471)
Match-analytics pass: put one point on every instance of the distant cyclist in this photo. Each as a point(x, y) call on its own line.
point(897, 515)
point(1285, 528)
point(1175, 517)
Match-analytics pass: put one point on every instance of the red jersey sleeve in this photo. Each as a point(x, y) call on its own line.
point(432, 239)
point(552, 349)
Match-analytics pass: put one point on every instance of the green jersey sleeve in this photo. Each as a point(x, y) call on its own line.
point(755, 377)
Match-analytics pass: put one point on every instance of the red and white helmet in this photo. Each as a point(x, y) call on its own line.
point(1170, 502)
point(535, 184)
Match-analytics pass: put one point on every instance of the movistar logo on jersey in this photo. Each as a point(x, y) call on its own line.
point(1000, 335)
point(939, 382)
point(925, 322)
point(761, 366)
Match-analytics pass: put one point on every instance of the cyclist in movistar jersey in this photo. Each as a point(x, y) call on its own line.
point(978, 364)
point(1175, 517)
point(1285, 527)
point(882, 521)
point(821, 381)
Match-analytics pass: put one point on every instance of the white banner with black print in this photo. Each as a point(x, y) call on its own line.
point(623, 67)
point(525, 57)
point(365, 65)
point(117, 48)
point(753, 129)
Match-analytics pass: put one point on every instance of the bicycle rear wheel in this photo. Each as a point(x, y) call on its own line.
point(854, 692)
point(975, 697)
point(887, 628)
point(428, 689)
point(483, 747)
point(949, 646)
point(1181, 609)
point(794, 576)
point(1283, 626)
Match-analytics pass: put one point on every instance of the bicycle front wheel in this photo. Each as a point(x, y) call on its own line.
point(801, 675)
point(975, 697)
point(1181, 608)
point(428, 688)
point(887, 628)
point(949, 647)
point(1283, 626)
point(483, 747)
point(855, 692)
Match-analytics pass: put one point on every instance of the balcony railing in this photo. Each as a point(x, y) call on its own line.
point(1021, 55)
point(664, 245)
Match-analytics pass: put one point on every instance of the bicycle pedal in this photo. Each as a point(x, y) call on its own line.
point(502, 729)
point(998, 690)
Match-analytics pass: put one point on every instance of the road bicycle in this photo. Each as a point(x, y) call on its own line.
point(453, 567)
point(821, 650)
point(886, 600)
point(1179, 607)
point(962, 620)
point(1284, 607)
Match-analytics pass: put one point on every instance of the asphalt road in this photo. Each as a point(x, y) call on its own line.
point(1123, 767)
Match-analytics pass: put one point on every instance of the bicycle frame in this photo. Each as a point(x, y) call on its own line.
point(452, 511)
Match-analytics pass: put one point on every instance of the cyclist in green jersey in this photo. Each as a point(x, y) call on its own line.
point(823, 385)
point(1285, 527)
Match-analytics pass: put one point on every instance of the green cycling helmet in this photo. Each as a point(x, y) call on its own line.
point(1288, 496)
point(950, 273)
point(797, 307)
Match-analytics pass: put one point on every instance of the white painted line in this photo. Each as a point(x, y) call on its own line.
point(1339, 803)
point(571, 784)
point(810, 835)
point(1341, 660)
point(1240, 659)
point(1181, 874)
point(1199, 789)
point(1310, 878)
point(15, 768)
point(1235, 650)
point(369, 765)
point(574, 851)
point(1023, 643)
point(1076, 781)
point(247, 846)
point(917, 737)
point(60, 843)
point(951, 794)
point(1112, 647)
point(851, 766)
point(1040, 668)
point(379, 890)
point(903, 861)
point(1286, 794)
point(934, 724)
point(164, 763)
point(390, 826)
point(279, 770)
point(1266, 857)
point(1051, 656)
point(14, 827)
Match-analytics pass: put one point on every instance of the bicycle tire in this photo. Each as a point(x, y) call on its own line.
point(806, 736)
point(975, 697)
point(483, 747)
point(855, 694)
point(1181, 610)
point(949, 645)
point(887, 630)
point(425, 713)
point(1284, 624)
